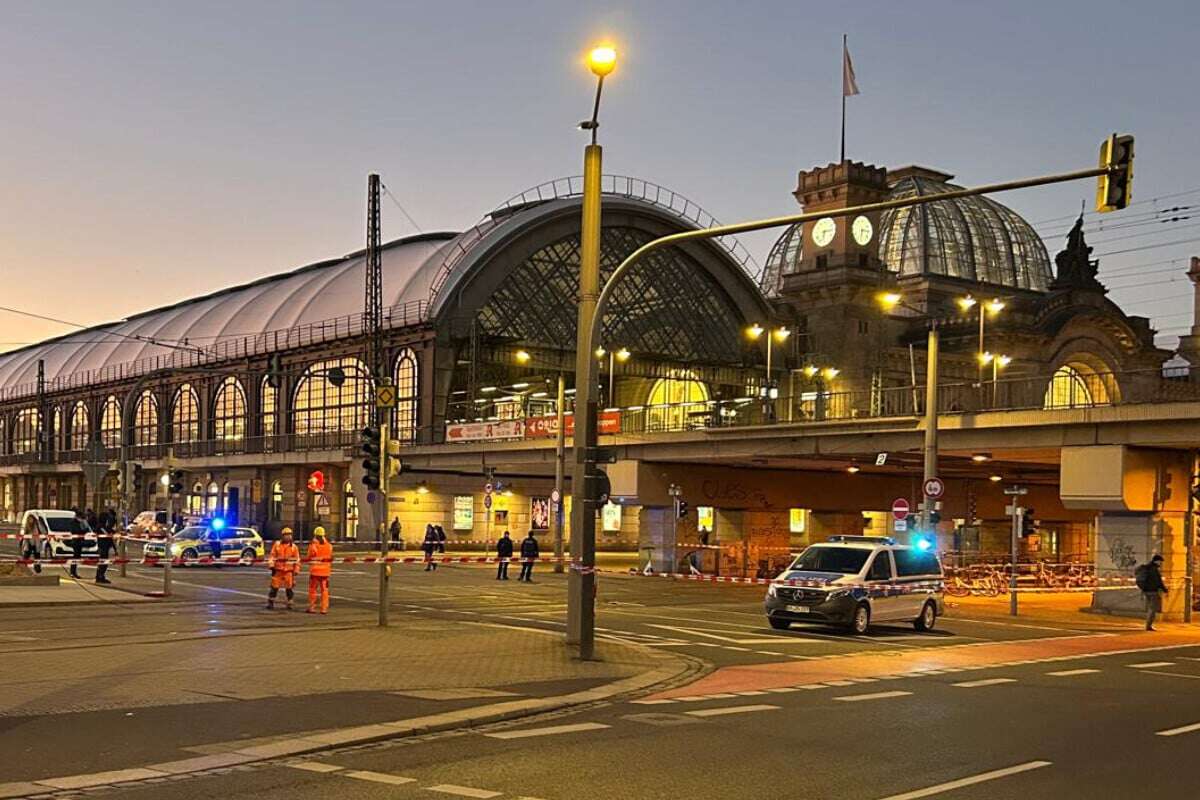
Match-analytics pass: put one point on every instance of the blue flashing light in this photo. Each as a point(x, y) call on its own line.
point(923, 543)
point(217, 523)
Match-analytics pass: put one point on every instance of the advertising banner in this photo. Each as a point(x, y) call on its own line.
point(464, 512)
point(607, 423)
point(610, 517)
point(539, 513)
point(484, 431)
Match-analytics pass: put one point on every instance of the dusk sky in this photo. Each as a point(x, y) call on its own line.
point(155, 151)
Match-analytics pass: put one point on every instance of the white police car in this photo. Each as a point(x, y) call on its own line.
point(856, 580)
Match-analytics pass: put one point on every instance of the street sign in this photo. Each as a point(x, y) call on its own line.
point(385, 396)
point(487, 488)
point(322, 506)
point(900, 525)
point(487, 500)
point(881, 459)
point(555, 496)
point(934, 487)
point(900, 508)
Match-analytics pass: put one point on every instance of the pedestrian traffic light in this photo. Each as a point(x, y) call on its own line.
point(681, 508)
point(1115, 188)
point(175, 485)
point(372, 457)
point(1027, 525)
point(316, 481)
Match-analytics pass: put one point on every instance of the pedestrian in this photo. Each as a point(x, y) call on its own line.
point(284, 563)
point(31, 541)
point(320, 565)
point(79, 527)
point(104, 545)
point(504, 551)
point(529, 554)
point(394, 531)
point(441, 537)
point(1149, 579)
point(214, 543)
point(430, 546)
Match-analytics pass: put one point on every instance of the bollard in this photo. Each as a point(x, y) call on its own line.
point(167, 567)
point(383, 592)
point(121, 555)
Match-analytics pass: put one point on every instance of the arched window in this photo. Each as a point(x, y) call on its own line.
point(322, 407)
point(229, 411)
point(145, 419)
point(110, 422)
point(212, 501)
point(405, 424)
point(1076, 385)
point(196, 499)
point(25, 431)
point(3, 437)
point(276, 501)
point(57, 434)
point(81, 427)
point(672, 400)
point(269, 408)
point(350, 503)
point(185, 415)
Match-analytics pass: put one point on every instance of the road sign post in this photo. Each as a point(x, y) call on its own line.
point(1015, 508)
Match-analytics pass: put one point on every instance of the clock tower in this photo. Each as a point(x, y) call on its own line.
point(840, 242)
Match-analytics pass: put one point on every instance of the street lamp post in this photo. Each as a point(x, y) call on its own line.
point(993, 307)
point(769, 393)
point(998, 362)
point(581, 581)
point(614, 356)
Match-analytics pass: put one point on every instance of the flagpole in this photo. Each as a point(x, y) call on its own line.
point(843, 158)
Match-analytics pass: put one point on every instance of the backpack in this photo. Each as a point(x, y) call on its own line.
point(1141, 576)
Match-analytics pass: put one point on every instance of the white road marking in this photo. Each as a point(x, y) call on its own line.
point(1177, 731)
point(854, 698)
point(462, 791)
point(970, 781)
point(651, 702)
point(553, 730)
point(742, 639)
point(984, 682)
point(1067, 673)
point(315, 766)
point(1151, 665)
point(720, 712)
point(378, 777)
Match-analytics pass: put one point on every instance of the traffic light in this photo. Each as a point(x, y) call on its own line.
point(372, 457)
point(137, 479)
point(1114, 189)
point(681, 508)
point(175, 484)
point(1027, 524)
point(316, 481)
point(935, 517)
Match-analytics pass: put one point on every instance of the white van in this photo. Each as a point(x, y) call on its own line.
point(61, 524)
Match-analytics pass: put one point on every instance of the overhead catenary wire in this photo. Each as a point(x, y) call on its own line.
point(81, 326)
point(403, 211)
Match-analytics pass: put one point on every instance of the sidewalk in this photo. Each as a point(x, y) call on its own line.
point(1068, 608)
point(67, 592)
point(130, 702)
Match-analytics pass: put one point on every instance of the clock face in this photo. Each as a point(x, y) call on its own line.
point(862, 230)
point(823, 231)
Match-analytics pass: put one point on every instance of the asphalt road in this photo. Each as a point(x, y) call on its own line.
point(1089, 731)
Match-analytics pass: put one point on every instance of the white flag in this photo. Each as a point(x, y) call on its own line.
point(849, 84)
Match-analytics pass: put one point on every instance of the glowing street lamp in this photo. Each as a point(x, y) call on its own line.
point(622, 355)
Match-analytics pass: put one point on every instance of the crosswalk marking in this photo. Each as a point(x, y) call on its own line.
point(854, 698)
point(720, 712)
point(1067, 673)
point(378, 777)
point(551, 731)
point(984, 682)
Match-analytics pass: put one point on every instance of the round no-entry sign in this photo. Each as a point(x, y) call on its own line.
point(555, 496)
point(900, 508)
point(934, 488)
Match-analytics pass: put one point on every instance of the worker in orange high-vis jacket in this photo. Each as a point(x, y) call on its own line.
point(320, 564)
point(284, 562)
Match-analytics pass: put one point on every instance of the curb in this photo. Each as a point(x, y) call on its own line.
point(684, 669)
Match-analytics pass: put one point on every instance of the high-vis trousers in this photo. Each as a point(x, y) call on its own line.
point(318, 584)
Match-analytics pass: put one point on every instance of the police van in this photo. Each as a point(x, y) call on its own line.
point(853, 581)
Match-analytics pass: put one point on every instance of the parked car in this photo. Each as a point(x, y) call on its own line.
point(853, 581)
point(60, 524)
point(196, 541)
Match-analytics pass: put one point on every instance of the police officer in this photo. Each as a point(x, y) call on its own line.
point(105, 545)
point(79, 527)
point(504, 551)
point(529, 554)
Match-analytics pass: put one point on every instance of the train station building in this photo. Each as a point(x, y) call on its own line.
point(783, 403)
